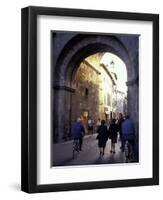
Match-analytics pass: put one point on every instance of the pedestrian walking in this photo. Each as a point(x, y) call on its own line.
point(113, 132)
point(78, 132)
point(120, 121)
point(98, 124)
point(90, 125)
point(102, 137)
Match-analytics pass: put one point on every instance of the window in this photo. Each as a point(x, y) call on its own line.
point(86, 92)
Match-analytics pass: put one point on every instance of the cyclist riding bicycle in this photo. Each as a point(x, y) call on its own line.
point(78, 132)
point(128, 137)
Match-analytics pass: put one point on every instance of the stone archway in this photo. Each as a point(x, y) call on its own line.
point(78, 48)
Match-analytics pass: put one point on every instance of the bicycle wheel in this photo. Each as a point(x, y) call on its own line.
point(126, 151)
point(75, 148)
point(73, 154)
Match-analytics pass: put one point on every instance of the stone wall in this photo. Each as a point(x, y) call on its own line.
point(86, 96)
point(69, 49)
point(93, 87)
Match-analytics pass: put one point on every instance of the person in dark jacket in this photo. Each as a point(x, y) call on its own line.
point(102, 137)
point(128, 131)
point(120, 121)
point(78, 132)
point(113, 132)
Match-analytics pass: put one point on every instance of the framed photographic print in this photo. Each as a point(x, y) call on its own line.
point(90, 99)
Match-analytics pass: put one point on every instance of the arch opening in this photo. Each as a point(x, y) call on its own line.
point(69, 64)
point(100, 90)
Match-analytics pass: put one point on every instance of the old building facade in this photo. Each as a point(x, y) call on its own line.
point(93, 91)
point(83, 87)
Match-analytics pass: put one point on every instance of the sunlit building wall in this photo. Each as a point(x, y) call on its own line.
point(94, 91)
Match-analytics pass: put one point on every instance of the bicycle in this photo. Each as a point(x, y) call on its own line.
point(76, 148)
point(128, 150)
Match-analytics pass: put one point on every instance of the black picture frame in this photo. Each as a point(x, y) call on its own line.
point(29, 99)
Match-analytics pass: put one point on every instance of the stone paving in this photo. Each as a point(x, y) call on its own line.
point(62, 153)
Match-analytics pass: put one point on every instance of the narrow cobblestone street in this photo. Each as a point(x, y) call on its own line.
point(88, 155)
point(97, 80)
